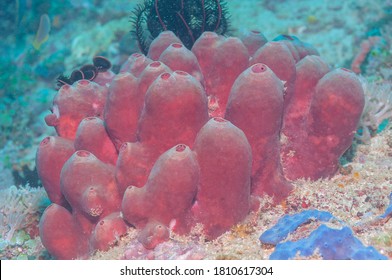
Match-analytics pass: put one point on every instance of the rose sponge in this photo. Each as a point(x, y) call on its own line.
point(192, 137)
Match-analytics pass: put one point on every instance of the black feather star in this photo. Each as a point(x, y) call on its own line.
point(188, 19)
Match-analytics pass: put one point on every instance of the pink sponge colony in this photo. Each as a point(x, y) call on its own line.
point(192, 137)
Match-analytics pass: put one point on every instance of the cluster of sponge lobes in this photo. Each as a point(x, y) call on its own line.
point(183, 137)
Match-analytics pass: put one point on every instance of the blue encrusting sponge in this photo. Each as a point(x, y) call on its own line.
point(289, 223)
point(331, 244)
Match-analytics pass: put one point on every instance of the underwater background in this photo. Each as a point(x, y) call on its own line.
point(41, 40)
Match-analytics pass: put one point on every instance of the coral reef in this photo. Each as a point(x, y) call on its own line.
point(374, 56)
point(378, 108)
point(21, 208)
point(365, 48)
point(175, 145)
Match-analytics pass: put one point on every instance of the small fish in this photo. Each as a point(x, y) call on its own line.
point(42, 34)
